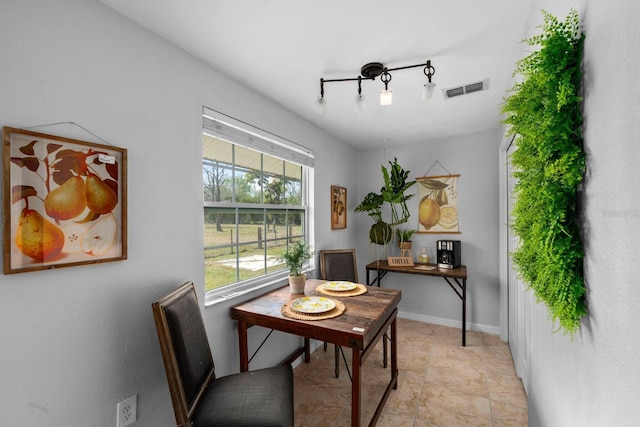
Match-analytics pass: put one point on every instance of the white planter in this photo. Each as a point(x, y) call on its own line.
point(296, 284)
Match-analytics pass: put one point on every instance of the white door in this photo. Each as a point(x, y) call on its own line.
point(520, 299)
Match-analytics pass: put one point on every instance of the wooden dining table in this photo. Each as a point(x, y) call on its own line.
point(366, 319)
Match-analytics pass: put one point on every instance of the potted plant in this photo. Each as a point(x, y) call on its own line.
point(396, 184)
point(404, 238)
point(295, 257)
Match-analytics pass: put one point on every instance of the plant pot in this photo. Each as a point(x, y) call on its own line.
point(296, 284)
point(404, 245)
point(380, 233)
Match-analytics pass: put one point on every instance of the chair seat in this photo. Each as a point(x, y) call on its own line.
point(260, 398)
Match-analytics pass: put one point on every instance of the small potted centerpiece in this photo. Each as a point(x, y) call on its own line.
point(404, 238)
point(295, 257)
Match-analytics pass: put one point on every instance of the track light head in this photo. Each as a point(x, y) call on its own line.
point(359, 101)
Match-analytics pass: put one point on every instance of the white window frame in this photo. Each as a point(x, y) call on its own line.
point(234, 131)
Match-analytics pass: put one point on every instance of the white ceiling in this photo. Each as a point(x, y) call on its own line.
point(281, 49)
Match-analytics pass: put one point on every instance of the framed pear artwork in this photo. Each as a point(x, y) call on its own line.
point(65, 202)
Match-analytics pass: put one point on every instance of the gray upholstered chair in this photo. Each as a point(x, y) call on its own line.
point(259, 398)
point(338, 264)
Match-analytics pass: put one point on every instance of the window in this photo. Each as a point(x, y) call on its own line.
point(256, 203)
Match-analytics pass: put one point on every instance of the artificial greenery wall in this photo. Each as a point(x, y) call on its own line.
point(543, 112)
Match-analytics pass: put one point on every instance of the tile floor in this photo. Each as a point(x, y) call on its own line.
point(440, 383)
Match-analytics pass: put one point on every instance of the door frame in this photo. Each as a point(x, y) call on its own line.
point(515, 300)
point(503, 209)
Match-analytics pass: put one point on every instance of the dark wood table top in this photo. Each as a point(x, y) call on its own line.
point(455, 273)
point(367, 312)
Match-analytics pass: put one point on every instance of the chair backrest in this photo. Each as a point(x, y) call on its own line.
point(185, 349)
point(339, 264)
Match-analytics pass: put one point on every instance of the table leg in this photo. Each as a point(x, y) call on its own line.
point(384, 337)
point(307, 350)
point(355, 388)
point(393, 383)
point(394, 353)
point(244, 348)
point(464, 312)
point(384, 350)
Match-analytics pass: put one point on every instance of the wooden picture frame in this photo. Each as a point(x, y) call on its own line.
point(438, 204)
point(338, 207)
point(64, 204)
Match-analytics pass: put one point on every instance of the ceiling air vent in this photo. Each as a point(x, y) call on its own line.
point(463, 90)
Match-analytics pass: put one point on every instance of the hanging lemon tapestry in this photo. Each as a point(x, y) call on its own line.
point(438, 206)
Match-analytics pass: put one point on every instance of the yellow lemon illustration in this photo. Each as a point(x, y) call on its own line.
point(428, 212)
point(448, 216)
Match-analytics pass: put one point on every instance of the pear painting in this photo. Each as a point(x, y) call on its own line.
point(100, 237)
point(37, 237)
point(68, 202)
point(100, 197)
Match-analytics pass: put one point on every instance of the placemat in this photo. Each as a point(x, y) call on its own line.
point(359, 290)
point(287, 311)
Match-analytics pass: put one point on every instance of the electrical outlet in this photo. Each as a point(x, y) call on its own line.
point(127, 411)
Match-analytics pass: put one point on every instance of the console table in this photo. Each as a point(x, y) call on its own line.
point(456, 278)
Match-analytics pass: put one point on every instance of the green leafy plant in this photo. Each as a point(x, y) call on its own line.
point(543, 112)
point(404, 235)
point(295, 257)
point(393, 193)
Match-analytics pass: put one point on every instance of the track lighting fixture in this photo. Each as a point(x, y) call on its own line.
point(372, 70)
point(320, 102)
point(359, 105)
point(429, 88)
point(386, 95)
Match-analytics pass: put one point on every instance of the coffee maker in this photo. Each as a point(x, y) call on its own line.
point(449, 255)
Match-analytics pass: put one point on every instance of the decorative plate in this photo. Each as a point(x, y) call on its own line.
point(339, 285)
point(313, 305)
point(426, 267)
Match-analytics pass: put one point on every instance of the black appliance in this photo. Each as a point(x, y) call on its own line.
point(449, 255)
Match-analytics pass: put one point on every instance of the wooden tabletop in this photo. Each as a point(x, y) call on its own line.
point(455, 273)
point(368, 312)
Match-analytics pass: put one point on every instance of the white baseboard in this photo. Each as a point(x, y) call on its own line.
point(487, 329)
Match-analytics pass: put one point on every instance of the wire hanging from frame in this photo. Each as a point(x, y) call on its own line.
point(433, 165)
point(104, 141)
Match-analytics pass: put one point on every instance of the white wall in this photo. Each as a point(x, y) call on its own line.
point(593, 379)
point(77, 340)
point(472, 156)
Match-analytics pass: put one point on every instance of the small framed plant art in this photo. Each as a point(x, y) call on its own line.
point(338, 207)
point(65, 201)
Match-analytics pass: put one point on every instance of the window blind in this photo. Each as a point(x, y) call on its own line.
point(231, 130)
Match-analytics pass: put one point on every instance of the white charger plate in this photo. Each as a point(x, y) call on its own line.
point(339, 285)
point(313, 305)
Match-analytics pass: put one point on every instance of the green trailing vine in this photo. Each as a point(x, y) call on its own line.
point(543, 112)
